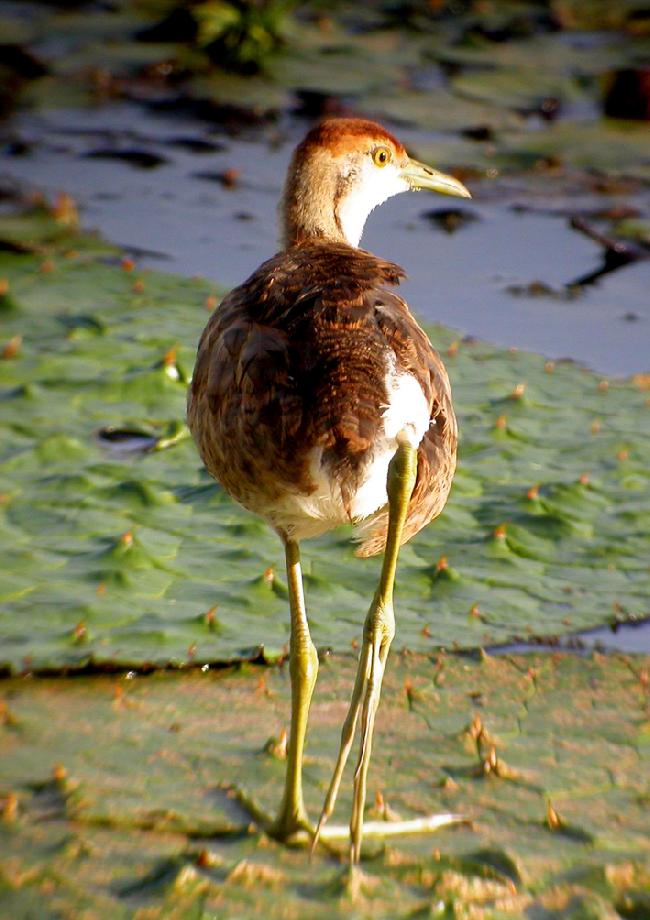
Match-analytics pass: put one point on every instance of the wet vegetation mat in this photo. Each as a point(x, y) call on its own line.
point(127, 798)
point(120, 551)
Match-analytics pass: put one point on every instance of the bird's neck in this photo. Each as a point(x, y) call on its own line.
point(313, 206)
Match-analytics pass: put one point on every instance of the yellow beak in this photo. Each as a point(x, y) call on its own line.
point(419, 175)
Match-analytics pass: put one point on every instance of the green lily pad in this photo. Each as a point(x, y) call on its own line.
point(542, 57)
point(513, 88)
point(444, 111)
point(612, 147)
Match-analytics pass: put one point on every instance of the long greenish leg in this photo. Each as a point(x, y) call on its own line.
point(303, 668)
point(379, 629)
point(347, 737)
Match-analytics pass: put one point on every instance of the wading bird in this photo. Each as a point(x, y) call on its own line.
point(317, 400)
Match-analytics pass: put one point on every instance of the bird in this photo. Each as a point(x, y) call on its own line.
point(317, 400)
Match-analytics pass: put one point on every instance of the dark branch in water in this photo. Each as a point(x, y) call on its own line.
point(616, 253)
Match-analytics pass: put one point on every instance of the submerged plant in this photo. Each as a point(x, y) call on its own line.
point(240, 35)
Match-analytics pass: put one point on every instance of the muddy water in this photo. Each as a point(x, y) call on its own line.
point(180, 217)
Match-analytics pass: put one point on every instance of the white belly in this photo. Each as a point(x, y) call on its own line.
point(406, 416)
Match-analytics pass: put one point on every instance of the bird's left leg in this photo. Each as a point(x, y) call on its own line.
point(379, 629)
point(303, 668)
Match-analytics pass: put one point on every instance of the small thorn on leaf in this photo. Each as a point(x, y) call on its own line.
point(493, 765)
point(490, 762)
point(532, 493)
point(553, 819)
point(277, 747)
point(449, 784)
point(64, 210)
point(59, 773)
point(210, 302)
point(518, 391)
point(412, 695)
point(80, 632)
point(127, 264)
point(12, 348)
point(10, 807)
point(501, 423)
point(268, 576)
point(203, 859)
point(229, 178)
point(6, 716)
point(475, 729)
point(208, 860)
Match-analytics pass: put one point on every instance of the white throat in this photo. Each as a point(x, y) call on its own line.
point(370, 188)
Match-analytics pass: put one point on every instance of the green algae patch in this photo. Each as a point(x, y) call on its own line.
point(120, 551)
point(144, 817)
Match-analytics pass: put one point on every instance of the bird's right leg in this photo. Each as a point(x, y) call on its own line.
point(292, 819)
point(379, 630)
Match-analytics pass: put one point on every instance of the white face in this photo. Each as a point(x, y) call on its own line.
point(371, 186)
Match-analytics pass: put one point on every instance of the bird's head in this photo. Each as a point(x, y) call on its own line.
point(343, 169)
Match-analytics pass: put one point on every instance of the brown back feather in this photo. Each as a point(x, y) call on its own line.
point(295, 358)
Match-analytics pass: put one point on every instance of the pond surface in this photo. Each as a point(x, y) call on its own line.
point(181, 215)
point(629, 638)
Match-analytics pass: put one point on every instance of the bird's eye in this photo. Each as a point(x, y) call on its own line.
point(381, 156)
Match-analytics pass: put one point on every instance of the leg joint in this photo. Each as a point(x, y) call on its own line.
point(304, 662)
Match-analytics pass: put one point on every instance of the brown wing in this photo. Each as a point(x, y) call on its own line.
point(289, 361)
